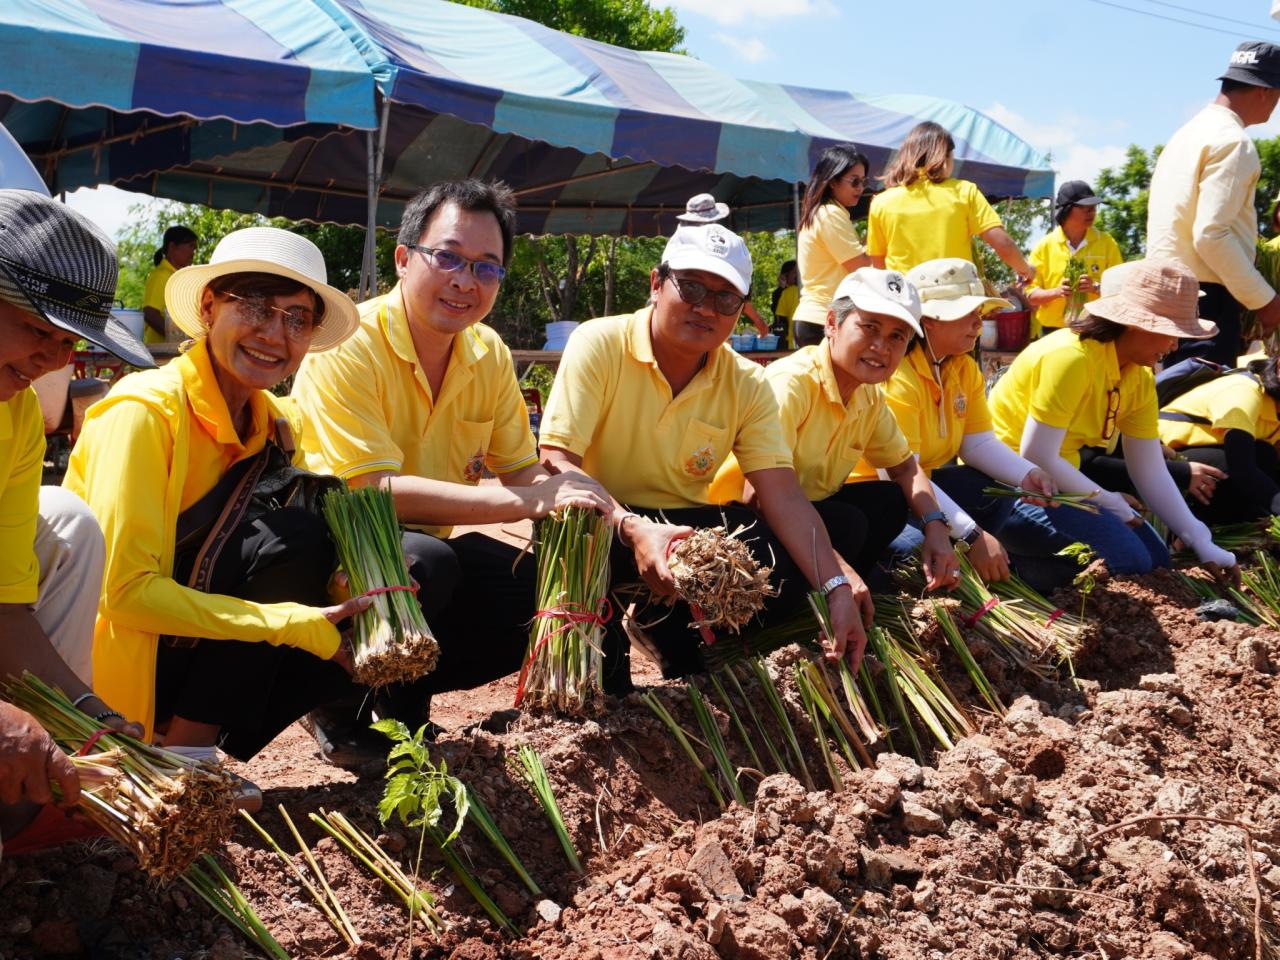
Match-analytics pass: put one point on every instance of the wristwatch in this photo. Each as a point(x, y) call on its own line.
point(972, 536)
point(933, 515)
point(840, 580)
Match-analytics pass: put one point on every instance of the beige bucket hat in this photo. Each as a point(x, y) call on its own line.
point(950, 289)
point(263, 250)
point(1156, 295)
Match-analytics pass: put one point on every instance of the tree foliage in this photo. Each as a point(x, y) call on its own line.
point(633, 24)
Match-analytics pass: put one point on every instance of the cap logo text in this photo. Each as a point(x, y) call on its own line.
point(1244, 58)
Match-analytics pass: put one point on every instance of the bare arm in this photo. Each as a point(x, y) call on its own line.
point(937, 555)
point(999, 240)
point(862, 260)
point(154, 319)
point(877, 262)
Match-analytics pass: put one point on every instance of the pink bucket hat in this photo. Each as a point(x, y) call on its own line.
point(1156, 295)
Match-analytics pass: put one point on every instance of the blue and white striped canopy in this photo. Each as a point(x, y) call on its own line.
point(260, 105)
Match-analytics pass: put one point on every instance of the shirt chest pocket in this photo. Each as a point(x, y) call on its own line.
point(468, 446)
point(702, 449)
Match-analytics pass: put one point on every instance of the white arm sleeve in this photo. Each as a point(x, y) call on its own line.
point(1150, 474)
point(1042, 445)
point(984, 452)
point(958, 522)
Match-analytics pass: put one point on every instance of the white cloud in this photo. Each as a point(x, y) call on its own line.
point(729, 12)
point(748, 49)
point(1078, 145)
point(108, 207)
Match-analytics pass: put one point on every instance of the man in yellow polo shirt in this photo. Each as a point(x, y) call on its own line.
point(423, 398)
point(1074, 238)
point(651, 404)
point(57, 281)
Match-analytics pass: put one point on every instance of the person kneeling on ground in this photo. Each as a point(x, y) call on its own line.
point(833, 416)
point(57, 282)
point(1232, 424)
point(1086, 384)
point(939, 401)
point(666, 374)
point(424, 399)
point(217, 627)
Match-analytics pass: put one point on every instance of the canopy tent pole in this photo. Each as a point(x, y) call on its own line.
point(377, 148)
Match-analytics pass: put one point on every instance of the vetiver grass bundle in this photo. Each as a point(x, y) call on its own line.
point(562, 669)
point(1240, 538)
point(391, 639)
point(215, 888)
point(1261, 581)
point(163, 808)
point(535, 775)
point(1077, 501)
point(717, 576)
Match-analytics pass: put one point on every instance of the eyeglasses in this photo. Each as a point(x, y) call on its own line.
point(724, 302)
point(485, 271)
point(857, 183)
point(299, 322)
point(1113, 412)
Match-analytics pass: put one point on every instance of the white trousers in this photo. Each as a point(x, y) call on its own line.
point(71, 553)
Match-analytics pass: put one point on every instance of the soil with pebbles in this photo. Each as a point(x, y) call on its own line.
point(993, 849)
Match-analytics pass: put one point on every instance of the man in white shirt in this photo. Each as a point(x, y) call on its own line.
point(1201, 205)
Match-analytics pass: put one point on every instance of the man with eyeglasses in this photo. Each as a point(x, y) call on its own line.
point(651, 404)
point(424, 399)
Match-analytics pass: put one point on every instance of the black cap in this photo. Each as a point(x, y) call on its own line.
point(1076, 193)
point(1256, 63)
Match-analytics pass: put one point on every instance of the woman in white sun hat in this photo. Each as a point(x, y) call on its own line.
point(938, 398)
point(234, 648)
point(1090, 384)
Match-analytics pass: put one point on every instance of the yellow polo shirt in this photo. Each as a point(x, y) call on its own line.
point(153, 296)
point(369, 406)
point(612, 406)
point(154, 446)
point(1233, 402)
point(925, 220)
point(935, 418)
point(21, 467)
point(1049, 259)
point(1063, 381)
point(822, 248)
point(827, 436)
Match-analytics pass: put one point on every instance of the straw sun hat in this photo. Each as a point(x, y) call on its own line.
point(263, 250)
point(1156, 295)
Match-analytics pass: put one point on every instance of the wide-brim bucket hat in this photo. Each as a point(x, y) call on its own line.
point(1157, 295)
point(950, 289)
point(263, 250)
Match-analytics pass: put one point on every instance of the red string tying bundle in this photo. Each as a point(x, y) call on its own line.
point(571, 614)
point(981, 612)
point(1054, 616)
point(392, 589)
point(88, 744)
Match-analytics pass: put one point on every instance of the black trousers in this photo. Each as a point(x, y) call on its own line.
point(1229, 503)
point(254, 690)
point(807, 334)
point(861, 520)
point(477, 594)
point(1223, 347)
point(1110, 472)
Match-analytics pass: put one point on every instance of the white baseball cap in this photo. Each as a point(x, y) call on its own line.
point(712, 248)
point(950, 289)
point(883, 291)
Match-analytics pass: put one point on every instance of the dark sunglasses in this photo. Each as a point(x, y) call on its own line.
point(300, 323)
point(857, 182)
point(724, 302)
point(485, 271)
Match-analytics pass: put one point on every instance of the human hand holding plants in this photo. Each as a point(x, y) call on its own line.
point(1039, 481)
point(29, 760)
point(651, 542)
point(938, 558)
point(569, 489)
point(852, 612)
point(1204, 481)
point(989, 558)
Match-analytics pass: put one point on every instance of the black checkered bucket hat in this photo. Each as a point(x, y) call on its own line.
point(56, 263)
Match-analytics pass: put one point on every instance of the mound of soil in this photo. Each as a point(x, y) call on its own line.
point(1015, 843)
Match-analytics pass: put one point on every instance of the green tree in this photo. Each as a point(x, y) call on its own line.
point(1023, 218)
point(633, 24)
point(1124, 193)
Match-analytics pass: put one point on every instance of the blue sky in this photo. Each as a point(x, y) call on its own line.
point(1081, 79)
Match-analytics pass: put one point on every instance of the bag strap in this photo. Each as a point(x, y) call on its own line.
point(1184, 418)
point(232, 513)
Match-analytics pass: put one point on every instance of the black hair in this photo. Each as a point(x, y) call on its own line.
point(1060, 216)
point(1088, 327)
point(177, 234)
point(471, 195)
point(834, 163)
point(1268, 375)
point(255, 284)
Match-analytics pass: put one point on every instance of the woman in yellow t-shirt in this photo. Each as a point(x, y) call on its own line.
point(177, 250)
point(221, 643)
point(938, 398)
point(1089, 385)
point(925, 213)
point(1232, 424)
point(828, 248)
